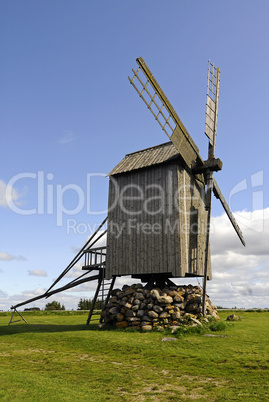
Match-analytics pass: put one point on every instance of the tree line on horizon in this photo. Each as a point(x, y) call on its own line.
point(83, 304)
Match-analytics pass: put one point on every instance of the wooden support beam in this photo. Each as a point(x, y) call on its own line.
point(11, 319)
point(48, 294)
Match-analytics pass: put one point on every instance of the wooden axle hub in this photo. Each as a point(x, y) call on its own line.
point(212, 164)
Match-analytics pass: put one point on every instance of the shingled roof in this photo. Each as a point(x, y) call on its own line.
point(146, 157)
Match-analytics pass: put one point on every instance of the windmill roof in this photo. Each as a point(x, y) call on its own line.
point(146, 157)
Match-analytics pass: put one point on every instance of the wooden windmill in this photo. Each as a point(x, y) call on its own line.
point(179, 168)
point(159, 205)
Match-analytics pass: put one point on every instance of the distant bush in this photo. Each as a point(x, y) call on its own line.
point(86, 304)
point(54, 306)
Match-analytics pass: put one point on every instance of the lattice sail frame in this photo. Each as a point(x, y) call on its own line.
point(153, 102)
point(212, 103)
point(150, 91)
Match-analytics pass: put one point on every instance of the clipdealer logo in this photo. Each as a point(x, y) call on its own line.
point(51, 198)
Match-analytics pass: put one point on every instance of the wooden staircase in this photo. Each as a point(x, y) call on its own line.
point(95, 260)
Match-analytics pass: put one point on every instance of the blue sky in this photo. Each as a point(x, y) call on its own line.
point(67, 111)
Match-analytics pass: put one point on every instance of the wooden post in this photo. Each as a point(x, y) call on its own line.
point(95, 297)
point(208, 207)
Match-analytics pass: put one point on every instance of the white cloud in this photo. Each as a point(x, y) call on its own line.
point(37, 272)
point(66, 138)
point(240, 274)
point(255, 227)
point(8, 257)
point(8, 194)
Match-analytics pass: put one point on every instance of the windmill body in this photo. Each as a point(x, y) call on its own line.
point(156, 217)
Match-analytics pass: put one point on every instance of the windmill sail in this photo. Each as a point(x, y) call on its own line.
point(212, 102)
point(219, 195)
point(151, 93)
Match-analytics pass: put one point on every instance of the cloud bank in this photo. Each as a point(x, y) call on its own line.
point(240, 274)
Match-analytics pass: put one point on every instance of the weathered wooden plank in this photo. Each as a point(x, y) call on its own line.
point(182, 144)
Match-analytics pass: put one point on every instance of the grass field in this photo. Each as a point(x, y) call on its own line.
point(56, 357)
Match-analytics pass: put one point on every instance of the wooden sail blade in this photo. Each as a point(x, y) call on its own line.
point(212, 102)
point(219, 195)
point(157, 102)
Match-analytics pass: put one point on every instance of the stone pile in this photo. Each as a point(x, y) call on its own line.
point(140, 308)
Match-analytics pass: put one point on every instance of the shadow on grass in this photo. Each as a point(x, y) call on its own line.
point(45, 328)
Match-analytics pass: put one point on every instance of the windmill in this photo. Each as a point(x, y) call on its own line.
point(157, 256)
point(151, 93)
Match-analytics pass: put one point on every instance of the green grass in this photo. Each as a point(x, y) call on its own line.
point(56, 357)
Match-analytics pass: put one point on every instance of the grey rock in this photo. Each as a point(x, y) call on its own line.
point(174, 328)
point(157, 309)
point(145, 320)
point(113, 310)
point(165, 299)
point(164, 314)
point(196, 321)
point(213, 336)
point(152, 314)
point(113, 299)
point(133, 319)
point(176, 315)
point(140, 313)
point(178, 299)
point(120, 317)
point(140, 296)
point(130, 313)
point(232, 317)
point(139, 287)
point(155, 294)
point(146, 327)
